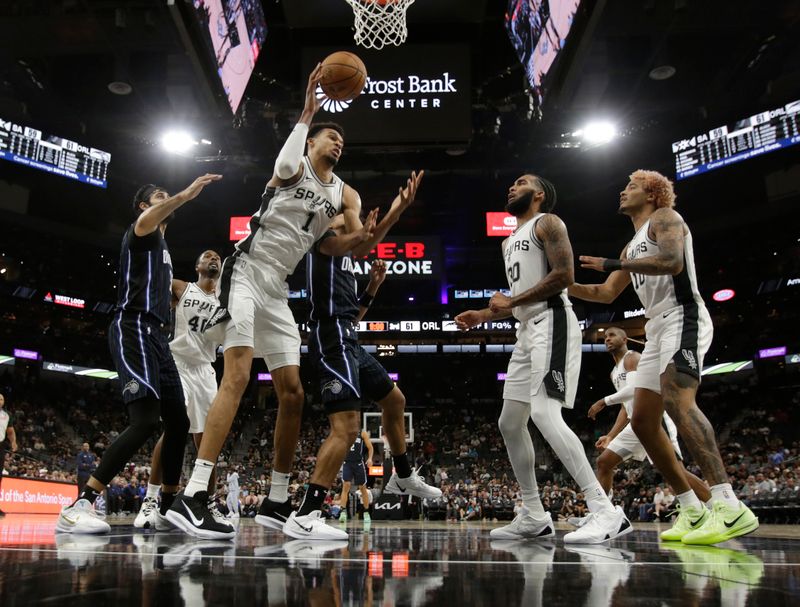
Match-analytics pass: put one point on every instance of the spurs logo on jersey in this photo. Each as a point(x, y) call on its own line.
point(526, 264)
point(660, 293)
point(193, 312)
point(291, 219)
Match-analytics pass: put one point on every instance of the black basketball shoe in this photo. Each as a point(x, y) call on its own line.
point(273, 515)
point(191, 515)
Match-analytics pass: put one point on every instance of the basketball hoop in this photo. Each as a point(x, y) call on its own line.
point(380, 22)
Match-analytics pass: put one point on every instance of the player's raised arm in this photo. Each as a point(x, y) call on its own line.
point(178, 288)
point(352, 208)
point(158, 210)
point(604, 292)
point(287, 165)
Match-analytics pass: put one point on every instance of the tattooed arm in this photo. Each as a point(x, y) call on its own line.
point(607, 291)
point(668, 231)
point(552, 232)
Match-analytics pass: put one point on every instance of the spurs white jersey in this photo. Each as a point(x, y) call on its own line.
point(192, 313)
point(619, 377)
point(291, 219)
point(526, 264)
point(661, 293)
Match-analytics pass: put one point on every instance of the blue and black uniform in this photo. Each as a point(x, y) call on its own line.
point(346, 373)
point(353, 467)
point(138, 335)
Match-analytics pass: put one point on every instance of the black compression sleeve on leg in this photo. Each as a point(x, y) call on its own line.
point(143, 416)
point(176, 430)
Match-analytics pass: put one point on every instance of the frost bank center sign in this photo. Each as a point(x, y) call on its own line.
point(417, 94)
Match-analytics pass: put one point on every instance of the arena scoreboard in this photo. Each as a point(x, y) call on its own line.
point(758, 134)
point(31, 147)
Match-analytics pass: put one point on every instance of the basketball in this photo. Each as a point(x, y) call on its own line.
point(343, 76)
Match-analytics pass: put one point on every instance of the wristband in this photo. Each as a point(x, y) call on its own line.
point(609, 265)
point(365, 300)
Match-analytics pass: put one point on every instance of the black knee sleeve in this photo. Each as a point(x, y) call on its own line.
point(143, 417)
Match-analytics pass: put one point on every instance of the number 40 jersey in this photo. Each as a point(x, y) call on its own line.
point(192, 313)
point(526, 265)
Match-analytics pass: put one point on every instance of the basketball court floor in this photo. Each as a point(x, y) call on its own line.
point(407, 564)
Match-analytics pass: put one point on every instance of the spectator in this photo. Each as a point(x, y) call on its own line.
point(86, 465)
point(6, 430)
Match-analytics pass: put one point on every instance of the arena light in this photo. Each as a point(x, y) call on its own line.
point(177, 141)
point(597, 133)
point(724, 295)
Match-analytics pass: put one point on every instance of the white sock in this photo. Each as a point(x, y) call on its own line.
point(689, 500)
point(530, 499)
point(279, 486)
point(200, 475)
point(724, 493)
point(596, 498)
point(152, 491)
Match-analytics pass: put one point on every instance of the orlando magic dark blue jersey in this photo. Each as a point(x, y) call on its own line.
point(145, 275)
point(332, 285)
point(355, 454)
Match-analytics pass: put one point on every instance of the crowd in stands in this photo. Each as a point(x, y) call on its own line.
point(458, 448)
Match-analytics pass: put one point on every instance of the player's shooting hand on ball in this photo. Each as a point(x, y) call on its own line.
point(500, 303)
point(312, 104)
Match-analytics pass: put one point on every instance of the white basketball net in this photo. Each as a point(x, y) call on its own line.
point(378, 25)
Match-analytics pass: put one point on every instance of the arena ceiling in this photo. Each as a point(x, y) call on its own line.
point(731, 59)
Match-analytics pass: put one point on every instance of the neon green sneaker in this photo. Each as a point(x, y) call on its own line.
point(343, 516)
point(725, 523)
point(689, 519)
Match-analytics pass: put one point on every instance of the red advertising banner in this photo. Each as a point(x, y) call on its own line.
point(24, 495)
point(239, 228)
point(500, 224)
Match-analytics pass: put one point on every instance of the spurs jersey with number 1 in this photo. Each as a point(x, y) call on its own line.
point(661, 293)
point(192, 313)
point(291, 219)
point(526, 265)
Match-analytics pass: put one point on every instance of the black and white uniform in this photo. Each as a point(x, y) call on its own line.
point(548, 348)
point(626, 444)
point(346, 373)
point(679, 328)
point(253, 293)
point(353, 469)
point(194, 352)
point(138, 334)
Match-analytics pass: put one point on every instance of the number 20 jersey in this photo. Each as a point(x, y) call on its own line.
point(291, 219)
point(526, 265)
point(193, 311)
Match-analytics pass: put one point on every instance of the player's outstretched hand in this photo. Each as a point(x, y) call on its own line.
point(377, 272)
point(602, 442)
point(596, 408)
point(405, 196)
point(198, 184)
point(592, 263)
point(466, 320)
point(312, 104)
point(368, 229)
point(500, 303)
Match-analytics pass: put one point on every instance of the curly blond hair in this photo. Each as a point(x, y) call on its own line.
point(656, 184)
